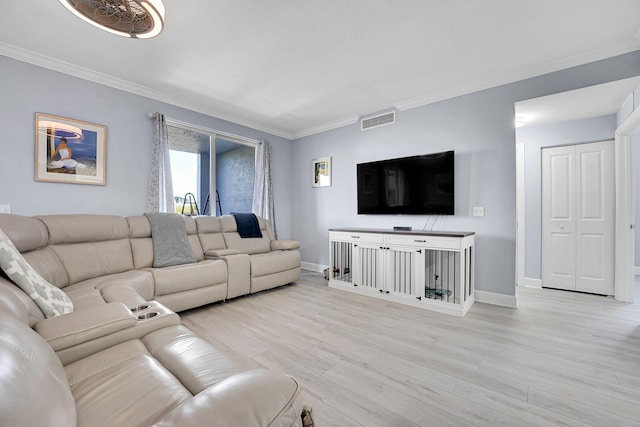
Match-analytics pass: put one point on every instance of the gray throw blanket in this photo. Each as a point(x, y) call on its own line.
point(170, 243)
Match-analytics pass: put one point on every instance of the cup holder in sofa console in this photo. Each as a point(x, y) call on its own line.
point(139, 308)
point(145, 316)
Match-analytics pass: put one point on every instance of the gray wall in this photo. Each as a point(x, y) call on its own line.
point(26, 89)
point(479, 127)
point(534, 139)
point(234, 179)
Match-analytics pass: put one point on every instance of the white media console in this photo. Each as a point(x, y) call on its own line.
point(432, 270)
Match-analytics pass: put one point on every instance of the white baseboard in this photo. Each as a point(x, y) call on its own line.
point(503, 300)
point(318, 268)
point(637, 271)
point(530, 282)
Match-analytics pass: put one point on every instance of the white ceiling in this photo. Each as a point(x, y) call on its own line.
point(593, 101)
point(294, 68)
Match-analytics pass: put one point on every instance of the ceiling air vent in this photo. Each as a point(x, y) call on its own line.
point(377, 121)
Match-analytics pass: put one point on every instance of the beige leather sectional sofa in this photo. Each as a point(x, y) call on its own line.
point(122, 358)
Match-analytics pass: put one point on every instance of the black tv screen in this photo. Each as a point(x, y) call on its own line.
point(417, 185)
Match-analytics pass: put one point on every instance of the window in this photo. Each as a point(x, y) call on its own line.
point(195, 170)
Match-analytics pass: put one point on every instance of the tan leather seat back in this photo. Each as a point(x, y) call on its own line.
point(90, 245)
point(254, 245)
point(210, 233)
point(15, 302)
point(142, 242)
point(192, 235)
point(33, 384)
point(31, 237)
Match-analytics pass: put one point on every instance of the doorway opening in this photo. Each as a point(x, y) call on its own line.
point(580, 116)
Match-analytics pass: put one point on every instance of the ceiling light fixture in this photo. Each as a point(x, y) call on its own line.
point(140, 19)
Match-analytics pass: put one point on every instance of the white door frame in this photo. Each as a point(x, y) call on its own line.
point(625, 208)
point(625, 212)
point(520, 217)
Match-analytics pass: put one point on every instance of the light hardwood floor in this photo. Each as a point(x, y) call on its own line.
point(561, 358)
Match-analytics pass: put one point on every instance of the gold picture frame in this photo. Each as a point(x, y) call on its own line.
point(69, 150)
point(321, 171)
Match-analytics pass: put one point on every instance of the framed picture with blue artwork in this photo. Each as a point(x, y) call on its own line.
point(69, 150)
point(321, 172)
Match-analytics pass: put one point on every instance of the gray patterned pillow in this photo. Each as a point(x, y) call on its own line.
point(51, 300)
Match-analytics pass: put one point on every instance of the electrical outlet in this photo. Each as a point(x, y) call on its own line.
point(478, 211)
point(5, 208)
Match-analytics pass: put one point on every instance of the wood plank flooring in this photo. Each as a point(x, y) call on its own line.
point(561, 358)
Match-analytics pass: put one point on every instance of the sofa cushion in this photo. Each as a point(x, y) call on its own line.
point(252, 398)
point(274, 262)
point(26, 233)
point(232, 239)
point(284, 245)
point(170, 280)
point(15, 302)
point(46, 262)
point(123, 386)
point(140, 280)
point(84, 261)
point(77, 228)
point(210, 233)
point(196, 362)
point(51, 300)
point(90, 245)
point(34, 387)
point(85, 297)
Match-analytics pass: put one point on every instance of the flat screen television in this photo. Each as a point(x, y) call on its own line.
point(417, 185)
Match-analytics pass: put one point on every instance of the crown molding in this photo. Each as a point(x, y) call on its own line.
point(326, 127)
point(435, 96)
point(521, 74)
point(524, 73)
point(60, 66)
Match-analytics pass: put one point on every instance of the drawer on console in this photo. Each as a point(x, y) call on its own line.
point(436, 242)
point(356, 237)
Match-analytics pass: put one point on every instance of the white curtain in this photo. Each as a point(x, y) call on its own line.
point(262, 191)
point(160, 196)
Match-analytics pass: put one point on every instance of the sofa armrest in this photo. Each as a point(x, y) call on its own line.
point(217, 253)
point(81, 326)
point(284, 245)
point(252, 398)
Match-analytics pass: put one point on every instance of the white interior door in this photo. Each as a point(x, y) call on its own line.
point(596, 218)
point(578, 208)
point(558, 218)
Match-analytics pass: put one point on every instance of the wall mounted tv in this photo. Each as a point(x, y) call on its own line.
point(417, 185)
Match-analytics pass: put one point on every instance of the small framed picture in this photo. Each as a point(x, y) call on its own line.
point(321, 169)
point(70, 151)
